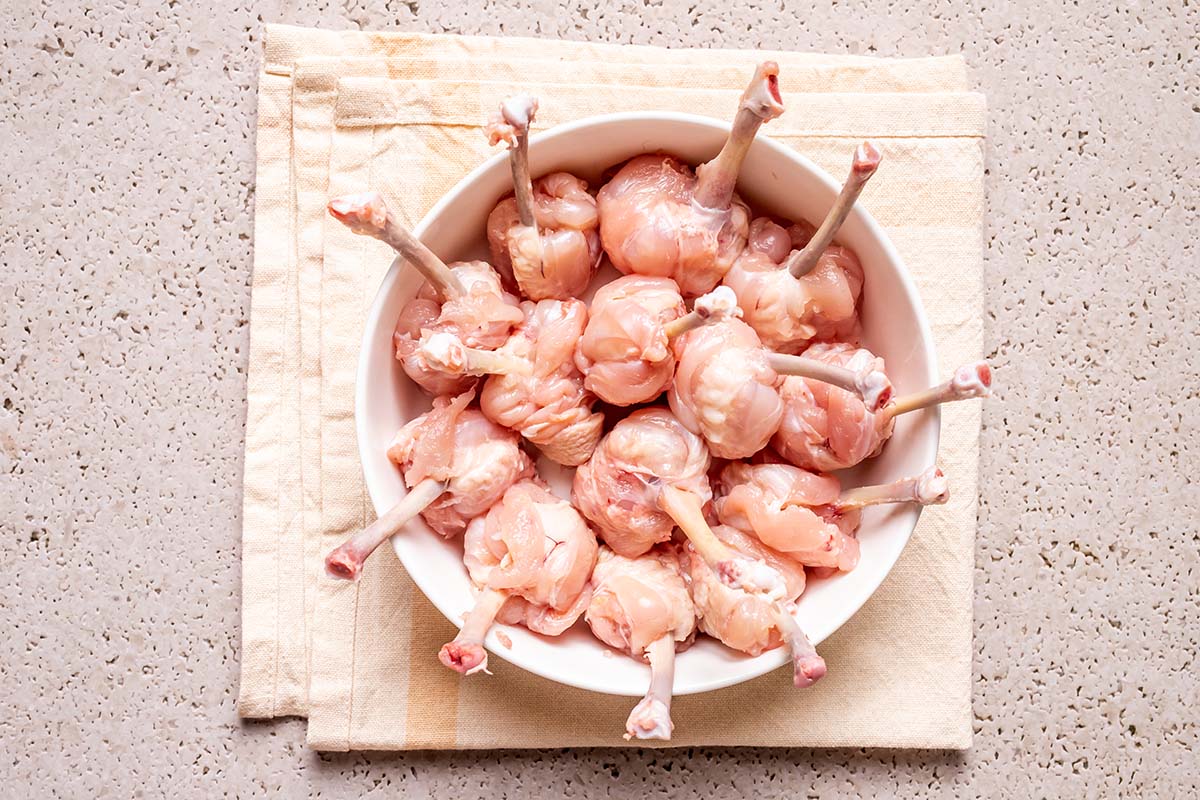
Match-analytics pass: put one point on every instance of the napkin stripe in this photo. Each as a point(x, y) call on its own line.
point(368, 102)
point(284, 45)
point(261, 542)
point(920, 75)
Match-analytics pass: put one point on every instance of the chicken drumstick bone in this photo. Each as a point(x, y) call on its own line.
point(726, 386)
point(657, 217)
point(641, 606)
point(751, 623)
point(465, 298)
point(790, 296)
point(649, 475)
point(806, 515)
point(456, 463)
point(531, 556)
point(824, 428)
point(766, 521)
point(546, 236)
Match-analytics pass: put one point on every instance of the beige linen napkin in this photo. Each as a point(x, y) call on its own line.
point(283, 520)
point(374, 680)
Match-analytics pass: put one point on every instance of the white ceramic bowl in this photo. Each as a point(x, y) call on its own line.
point(774, 178)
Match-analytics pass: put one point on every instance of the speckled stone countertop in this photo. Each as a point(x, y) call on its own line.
point(128, 163)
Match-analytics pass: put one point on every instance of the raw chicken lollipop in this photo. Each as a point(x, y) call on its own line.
point(626, 351)
point(791, 296)
point(749, 622)
point(530, 556)
point(648, 475)
point(805, 515)
point(538, 390)
point(726, 386)
point(456, 464)
point(641, 607)
point(657, 217)
point(779, 505)
point(788, 519)
point(464, 298)
point(825, 428)
point(546, 236)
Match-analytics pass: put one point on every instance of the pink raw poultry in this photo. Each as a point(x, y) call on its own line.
point(537, 390)
point(752, 623)
point(825, 428)
point(647, 476)
point(456, 463)
point(531, 556)
point(767, 519)
point(626, 351)
point(726, 386)
point(657, 217)
point(641, 607)
point(787, 519)
point(779, 504)
point(806, 515)
point(546, 236)
point(618, 488)
point(791, 296)
point(464, 298)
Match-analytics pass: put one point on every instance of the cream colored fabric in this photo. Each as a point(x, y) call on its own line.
point(401, 113)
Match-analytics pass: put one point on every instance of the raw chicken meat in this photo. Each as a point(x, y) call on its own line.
point(626, 350)
point(536, 388)
point(530, 556)
point(825, 428)
point(456, 464)
point(659, 218)
point(752, 623)
point(781, 506)
point(464, 299)
point(641, 607)
point(724, 389)
point(791, 296)
point(546, 236)
point(617, 489)
point(806, 515)
point(787, 519)
point(648, 475)
point(726, 386)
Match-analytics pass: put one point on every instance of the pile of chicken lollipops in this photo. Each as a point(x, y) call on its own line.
point(767, 392)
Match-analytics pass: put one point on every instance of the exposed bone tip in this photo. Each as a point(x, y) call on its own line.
point(972, 380)
point(650, 719)
point(341, 566)
point(519, 110)
point(511, 121)
point(932, 487)
point(808, 669)
point(867, 157)
point(720, 302)
point(364, 212)
point(465, 658)
point(444, 352)
point(874, 388)
point(762, 96)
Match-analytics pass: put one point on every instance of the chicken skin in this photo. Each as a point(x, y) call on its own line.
point(531, 557)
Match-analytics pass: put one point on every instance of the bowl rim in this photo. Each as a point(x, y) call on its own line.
point(388, 284)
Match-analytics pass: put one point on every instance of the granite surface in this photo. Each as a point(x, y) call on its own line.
point(128, 163)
